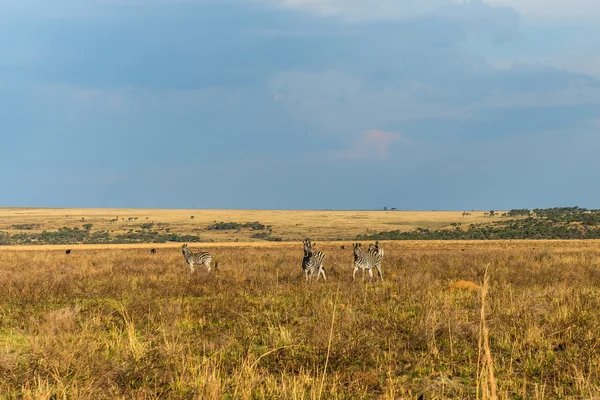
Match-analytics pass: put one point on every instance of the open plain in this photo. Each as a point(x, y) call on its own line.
point(284, 224)
point(115, 321)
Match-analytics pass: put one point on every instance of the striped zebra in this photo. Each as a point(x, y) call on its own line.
point(366, 260)
point(312, 261)
point(375, 247)
point(197, 258)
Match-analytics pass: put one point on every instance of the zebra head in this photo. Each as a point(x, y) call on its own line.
point(357, 250)
point(308, 247)
point(374, 247)
point(184, 249)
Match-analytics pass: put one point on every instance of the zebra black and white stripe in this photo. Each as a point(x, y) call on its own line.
point(366, 260)
point(312, 261)
point(197, 258)
point(375, 247)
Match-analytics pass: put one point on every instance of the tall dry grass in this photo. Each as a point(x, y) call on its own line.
point(121, 323)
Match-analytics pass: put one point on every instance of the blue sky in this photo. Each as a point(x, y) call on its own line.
point(300, 104)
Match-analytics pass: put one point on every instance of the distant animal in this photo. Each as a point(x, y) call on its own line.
point(197, 258)
point(366, 260)
point(342, 247)
point(153, 251)
point(312, 261)
point(68, 251)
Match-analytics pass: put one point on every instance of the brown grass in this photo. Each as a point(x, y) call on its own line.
point(121, 323)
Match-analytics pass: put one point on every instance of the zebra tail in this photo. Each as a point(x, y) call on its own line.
point(216, 265)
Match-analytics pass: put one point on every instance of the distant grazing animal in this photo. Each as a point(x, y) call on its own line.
point(366, 260)
point(68, 251)
point(197, 258)
point(342, 247)
point(153, 251)
point(312, 261)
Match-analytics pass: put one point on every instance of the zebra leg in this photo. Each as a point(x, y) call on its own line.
point(320, 272)
point(370, 275)
point(323, 272)
point(207, 265)
point(191, 267)
point(380, 273)
point(354, 273)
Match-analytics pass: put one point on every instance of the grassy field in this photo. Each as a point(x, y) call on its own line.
point(288, 225)
point(121, 323)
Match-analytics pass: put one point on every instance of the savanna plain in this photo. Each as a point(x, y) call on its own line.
point(452, 319)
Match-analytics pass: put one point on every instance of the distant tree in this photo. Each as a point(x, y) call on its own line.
point(492, 213)
point(87, 227)
point(192, 217)
point(385, 208)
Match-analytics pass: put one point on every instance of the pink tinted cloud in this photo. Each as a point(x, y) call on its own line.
point(372, 145)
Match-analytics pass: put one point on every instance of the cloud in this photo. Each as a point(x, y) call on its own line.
point(360, 9)
point(580, 9)
point(372, 145)
point(342, 103)
point(394, 9)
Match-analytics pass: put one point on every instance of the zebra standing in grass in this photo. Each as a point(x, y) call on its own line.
point(376, 248)
point(366, 260)
point(197, 258)
point(312, 261)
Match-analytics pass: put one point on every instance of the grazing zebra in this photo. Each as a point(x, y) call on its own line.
point(366, 260)
point(197, 258)
point(376, 248)
point(68, 251)
point(153, 251)
point(312, 261)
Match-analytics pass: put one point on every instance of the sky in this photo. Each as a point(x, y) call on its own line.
point(300, 104)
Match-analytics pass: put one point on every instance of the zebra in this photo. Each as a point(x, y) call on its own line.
point(366, 260)
point(197, 258)
point(376, 248)
point(312, 261)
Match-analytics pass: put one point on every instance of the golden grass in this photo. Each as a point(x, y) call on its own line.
point(122, 323)
point(290, 225)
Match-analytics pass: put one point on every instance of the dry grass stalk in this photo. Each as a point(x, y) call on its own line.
point(486, 381)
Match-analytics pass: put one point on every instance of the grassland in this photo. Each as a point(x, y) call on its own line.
point(120, 323)
point(287, 225)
